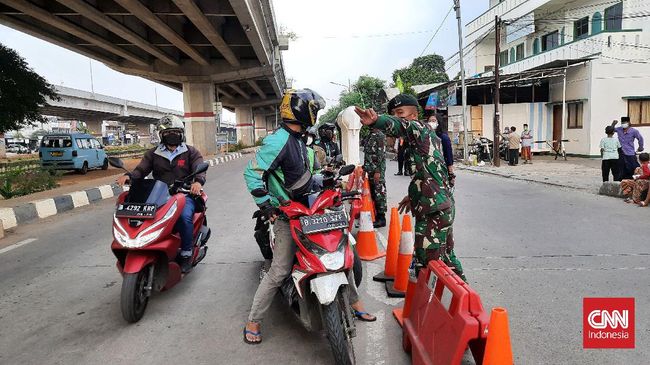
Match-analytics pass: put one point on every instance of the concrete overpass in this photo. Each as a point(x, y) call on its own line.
point(226, 51)
point(94, 108)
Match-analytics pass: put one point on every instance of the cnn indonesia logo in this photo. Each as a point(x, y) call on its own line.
point(608, 323)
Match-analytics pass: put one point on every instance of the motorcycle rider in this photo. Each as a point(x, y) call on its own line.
point(326, 140)
point(283, 164)
point(173, 160)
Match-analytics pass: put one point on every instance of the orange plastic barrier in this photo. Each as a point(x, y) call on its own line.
point(397, 288)
point(392, 249)
point(446, 317)
point(366, 239)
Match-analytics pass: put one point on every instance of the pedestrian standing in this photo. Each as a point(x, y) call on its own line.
point(514, 141)
point(374, 164)
point(527, 144)
point(609, 151)
point(401, 150)
point(627, 161)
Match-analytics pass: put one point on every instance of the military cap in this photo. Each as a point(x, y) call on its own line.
point(401, 100)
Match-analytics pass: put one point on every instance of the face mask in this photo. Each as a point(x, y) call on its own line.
point(526, 129)
point(625, 125)
point(172, 139)
point(434, 125)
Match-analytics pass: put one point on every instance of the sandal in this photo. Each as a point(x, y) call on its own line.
point(360, 316)
point(256, 334)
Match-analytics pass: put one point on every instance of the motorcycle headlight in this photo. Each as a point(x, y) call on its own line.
point(145, 237)
point(333, 260)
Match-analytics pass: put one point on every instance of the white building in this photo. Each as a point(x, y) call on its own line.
point(605, 47)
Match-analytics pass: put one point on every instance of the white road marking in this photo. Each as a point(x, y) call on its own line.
point(375, 289)
point(375, 349)
point(17, 244)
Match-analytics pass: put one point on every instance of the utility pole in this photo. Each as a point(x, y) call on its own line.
point(497, 91)
point(462, 76)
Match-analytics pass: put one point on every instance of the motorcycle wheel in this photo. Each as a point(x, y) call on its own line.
point(134, 296)
point(357, 269)
point(337, 332)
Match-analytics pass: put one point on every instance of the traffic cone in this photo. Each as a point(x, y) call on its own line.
point(397, 288)
point(366, 239)
point(392, 249)
point(365, 194)
point(498, 350)
point(402, 313)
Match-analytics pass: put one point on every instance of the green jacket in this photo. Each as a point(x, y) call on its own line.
point(282, 158)
point(429, 190)
point(374, 153)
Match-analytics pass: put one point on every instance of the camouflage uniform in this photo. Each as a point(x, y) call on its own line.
point(375, 161)
point(432, 202)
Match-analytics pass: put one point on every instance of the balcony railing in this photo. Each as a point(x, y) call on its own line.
point(617, 46)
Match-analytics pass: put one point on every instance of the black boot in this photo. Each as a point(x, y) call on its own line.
point(186, 264)
point(380, 221)
point(399, 173)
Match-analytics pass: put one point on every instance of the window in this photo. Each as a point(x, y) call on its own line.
point(520, 52)
point(536, 46)
point(83, 143)
point(639, 112)
point(614, 17)
point(503, 58)
point(581, 28)
point(94, 143)
point(574, 117)
point(550, 41)
point(513, 56)
point(489, 68)
point(596, 23)
point(56, 142)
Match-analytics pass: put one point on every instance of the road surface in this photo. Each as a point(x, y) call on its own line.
point(534, 249)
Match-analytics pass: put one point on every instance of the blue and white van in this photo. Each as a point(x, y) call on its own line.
point(72, 151)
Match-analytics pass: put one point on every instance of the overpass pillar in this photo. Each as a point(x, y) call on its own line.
point(245, 125)
point(260, 126)
point(200, 124)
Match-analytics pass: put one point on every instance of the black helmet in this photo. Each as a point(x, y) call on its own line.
point(301, 107)
point(324, 128)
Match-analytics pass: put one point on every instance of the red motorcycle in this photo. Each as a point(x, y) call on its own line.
point(317, 290)
point(145, 242)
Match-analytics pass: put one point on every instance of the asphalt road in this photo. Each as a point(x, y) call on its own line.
point(534, 249)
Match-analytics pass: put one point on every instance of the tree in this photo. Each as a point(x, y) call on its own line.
point(22, 92)
point(364, 92)
point(428, 69)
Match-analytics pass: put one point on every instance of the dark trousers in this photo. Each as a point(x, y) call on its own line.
point(514, 156)
point(626, 165)
point(185, 227)
point(612, 165)
point(400, 160)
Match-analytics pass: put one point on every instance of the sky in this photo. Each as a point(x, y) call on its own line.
point(337, 41)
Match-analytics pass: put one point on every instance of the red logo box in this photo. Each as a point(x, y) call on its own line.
point(608, 323)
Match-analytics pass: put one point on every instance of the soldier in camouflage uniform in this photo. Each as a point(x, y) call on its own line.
point(374, 164)
point(429, 194)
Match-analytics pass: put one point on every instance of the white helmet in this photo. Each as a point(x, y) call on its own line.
point(171, 125)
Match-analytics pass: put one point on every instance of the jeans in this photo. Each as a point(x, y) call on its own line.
point(514, 156)
point(185, 226)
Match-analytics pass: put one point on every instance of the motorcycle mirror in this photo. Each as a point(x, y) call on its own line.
point(201, 168)
point(116, 162)
point(259, 192)
point(346, 170)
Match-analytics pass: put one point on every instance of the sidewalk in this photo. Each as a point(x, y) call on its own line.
point(576, 173)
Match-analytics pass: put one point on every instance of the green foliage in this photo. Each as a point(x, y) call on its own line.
point(22, 92)
point(39, 133)
point(364, 93)
point(236, 147)
point(23, 182)
point(259, 141)
point(428, 69)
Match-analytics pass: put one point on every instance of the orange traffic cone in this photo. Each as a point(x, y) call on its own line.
point(365, 194)
point(402, 313)
point(397, 289)
point(366, 239)
point(498, 350)
point(392, 249)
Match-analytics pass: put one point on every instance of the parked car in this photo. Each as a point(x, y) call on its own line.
point(73, 151)
point(17, 148)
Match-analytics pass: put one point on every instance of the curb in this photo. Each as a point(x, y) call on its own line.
point(39, 209)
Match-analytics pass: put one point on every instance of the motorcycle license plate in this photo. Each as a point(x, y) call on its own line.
point(324, 222)
point(133, 210)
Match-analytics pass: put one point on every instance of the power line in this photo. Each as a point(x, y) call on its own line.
point(437, 30)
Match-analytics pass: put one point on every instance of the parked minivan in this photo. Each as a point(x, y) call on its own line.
point(72, 151)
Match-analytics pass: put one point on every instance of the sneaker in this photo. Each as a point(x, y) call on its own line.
point(186, 264)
